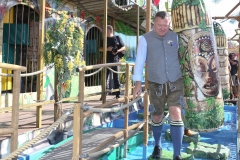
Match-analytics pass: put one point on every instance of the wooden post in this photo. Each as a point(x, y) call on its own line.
point(56, 98)
point(1, 59)
point(126, 110)
point(146, 100)
point(15, 110)
point(137, 37)
point(238, 85)
point(78, 119)
point(104, 73)
point(40, 63)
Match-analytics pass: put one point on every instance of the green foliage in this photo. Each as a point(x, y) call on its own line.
point(203, 25)
point(124, 28)
point(181, 50)
point(122, 76)
point(190, 104)
point(64, 47)
point(226, 94)
point(177, 3)
point(187, 80)
point(210, 101)
point(209, 119)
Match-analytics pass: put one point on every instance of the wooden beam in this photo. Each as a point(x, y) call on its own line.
point(232, 9)
point(13, 67)
point(104, 72)
point(4, 131)
point(40, 63)
point(229, 17)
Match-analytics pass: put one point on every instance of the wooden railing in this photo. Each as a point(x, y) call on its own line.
point(78, 113)
point(13, 130)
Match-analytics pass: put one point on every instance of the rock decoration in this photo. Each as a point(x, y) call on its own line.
point(186, 139)
point(222, 50)
point(199, 65)
point(208, 151)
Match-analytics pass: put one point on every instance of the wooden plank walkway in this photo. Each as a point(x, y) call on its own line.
point(27, 117)
point(90, 141)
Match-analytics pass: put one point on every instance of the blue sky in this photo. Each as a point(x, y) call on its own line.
point(221, 9)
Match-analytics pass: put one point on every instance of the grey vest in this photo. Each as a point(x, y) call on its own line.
point(162, 57)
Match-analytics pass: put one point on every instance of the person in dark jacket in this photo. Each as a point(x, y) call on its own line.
point(234, 71)
point(115, 46)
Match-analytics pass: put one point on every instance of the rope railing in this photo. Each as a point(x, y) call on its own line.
point(91, 74)
point(98, 153)
point(50, 66)
point(85, 68)
point(101, 110)
point(114, 71)
point(28, 74)
point(40, 136)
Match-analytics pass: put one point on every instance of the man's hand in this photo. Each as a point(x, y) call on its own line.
point(109, 48)
point(114, 53)
point(137, 90)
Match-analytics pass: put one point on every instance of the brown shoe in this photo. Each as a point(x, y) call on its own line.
point(188, 132)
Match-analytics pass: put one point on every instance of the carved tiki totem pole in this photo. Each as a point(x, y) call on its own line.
point(199, 65)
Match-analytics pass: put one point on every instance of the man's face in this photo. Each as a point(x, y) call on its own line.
point(206, 75)
point(108, 32)
point(161, 26)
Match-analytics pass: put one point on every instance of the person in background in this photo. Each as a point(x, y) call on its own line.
point(113, 50)
point(159, 50)
point(233, 71)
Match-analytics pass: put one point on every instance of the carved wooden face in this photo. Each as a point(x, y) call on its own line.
point(204, 66)
point(205, 72)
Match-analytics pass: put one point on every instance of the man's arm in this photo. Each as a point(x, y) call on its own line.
point(108, 49)
point(139, 65)
point(233, 62)
point(121, 44)
point(100, 49)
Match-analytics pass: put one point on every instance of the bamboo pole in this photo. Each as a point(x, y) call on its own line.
point(15, 111)
point(185, 15)
point(181, 19)
point(40, 63)
point(78, 120)
point(189, 17)
point(193, 16)
point(197, 15)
